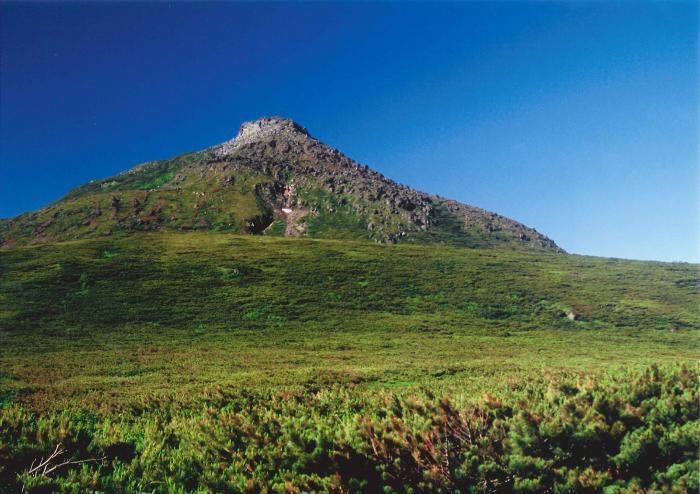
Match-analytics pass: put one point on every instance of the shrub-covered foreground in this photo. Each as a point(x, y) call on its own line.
point(623, 432)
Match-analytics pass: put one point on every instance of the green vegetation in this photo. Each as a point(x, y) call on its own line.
point(185, 362)
point(334, 216)
point(621, 433)
point(180, 280)
point(143, 177)
point(177, 195)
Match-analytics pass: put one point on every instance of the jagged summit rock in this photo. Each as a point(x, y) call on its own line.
point(266, 128)
point(273, 178)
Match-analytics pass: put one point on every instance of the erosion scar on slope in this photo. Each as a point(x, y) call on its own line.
point(292, 217)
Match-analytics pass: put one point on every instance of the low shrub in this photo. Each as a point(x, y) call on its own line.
point(633, 431)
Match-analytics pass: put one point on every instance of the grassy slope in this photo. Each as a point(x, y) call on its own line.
point(262, 364)
point(149, 197)
point(104, 323)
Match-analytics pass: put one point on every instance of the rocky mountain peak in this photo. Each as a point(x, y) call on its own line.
point(264, 129)
point(268, 126)
point(272, 178)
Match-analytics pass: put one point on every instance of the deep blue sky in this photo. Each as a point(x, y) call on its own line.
point(579, 119)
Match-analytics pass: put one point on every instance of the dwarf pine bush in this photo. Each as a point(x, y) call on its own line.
point(627, 432)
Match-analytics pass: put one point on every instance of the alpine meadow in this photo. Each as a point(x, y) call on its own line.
point(269, 315)
point(460, 351)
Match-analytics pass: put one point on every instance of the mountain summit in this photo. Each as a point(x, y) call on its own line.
point(273, 178)
point(266, 127)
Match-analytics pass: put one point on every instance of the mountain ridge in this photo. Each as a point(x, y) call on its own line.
point(272, 178)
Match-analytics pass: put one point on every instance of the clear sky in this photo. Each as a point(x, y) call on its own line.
point(579, 119)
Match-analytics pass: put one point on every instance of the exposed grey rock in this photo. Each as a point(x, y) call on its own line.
point(280, 148)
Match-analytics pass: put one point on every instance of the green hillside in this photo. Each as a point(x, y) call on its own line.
point(318, 305)
point(210, 362)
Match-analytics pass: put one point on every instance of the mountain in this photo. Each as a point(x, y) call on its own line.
point(273, 178)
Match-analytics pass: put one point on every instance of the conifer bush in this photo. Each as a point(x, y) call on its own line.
point(613, 433)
